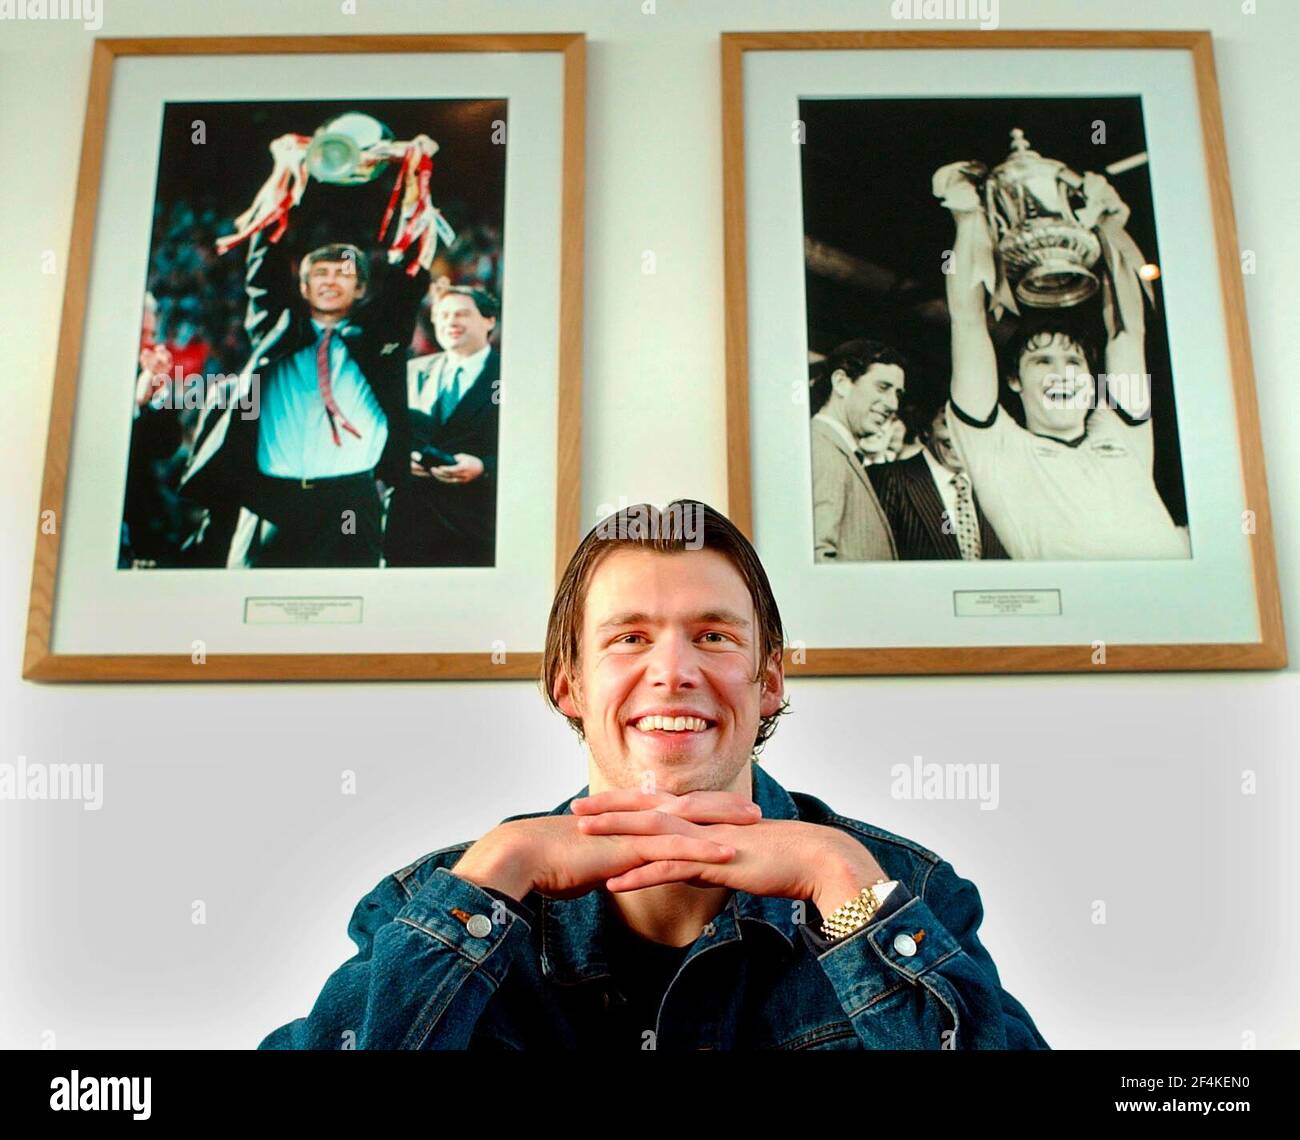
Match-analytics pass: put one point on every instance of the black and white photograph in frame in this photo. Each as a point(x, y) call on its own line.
point(990, 404)
point(989, 371)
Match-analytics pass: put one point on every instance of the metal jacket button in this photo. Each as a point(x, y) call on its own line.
point(905, 945)
point(479, 925)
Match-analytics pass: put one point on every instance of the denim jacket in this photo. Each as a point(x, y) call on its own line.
point(442, 963)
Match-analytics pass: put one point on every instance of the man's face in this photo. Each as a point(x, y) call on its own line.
point(670, 635)
point(458, 324)
point(871, 400)
point(941, 444)
point(1055, 384)
point(331, 287)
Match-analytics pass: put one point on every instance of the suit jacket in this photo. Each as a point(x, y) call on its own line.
point(915, 510)
point(441, 524)
point(849, 524)
point(223, 466)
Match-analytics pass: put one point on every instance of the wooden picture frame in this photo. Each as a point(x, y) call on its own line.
point(42, 660)
point(917, 656)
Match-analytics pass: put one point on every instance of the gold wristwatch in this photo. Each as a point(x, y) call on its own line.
point(858, 911)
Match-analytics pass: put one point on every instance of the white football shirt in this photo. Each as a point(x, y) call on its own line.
point(1092, 498)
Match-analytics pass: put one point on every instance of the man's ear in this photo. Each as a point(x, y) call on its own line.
point(568, 696)
point(302, 287)
point(773, 690)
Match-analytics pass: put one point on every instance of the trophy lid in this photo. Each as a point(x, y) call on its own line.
point(1024, 162)
point(362, 129)
point(336, 150)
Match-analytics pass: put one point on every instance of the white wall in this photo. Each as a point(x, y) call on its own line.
point(1122, 788)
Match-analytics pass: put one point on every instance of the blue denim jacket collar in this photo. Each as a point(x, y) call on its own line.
point(573, 931)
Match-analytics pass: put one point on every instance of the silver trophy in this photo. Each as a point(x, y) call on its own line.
point(1046, 253)
point(341, 150)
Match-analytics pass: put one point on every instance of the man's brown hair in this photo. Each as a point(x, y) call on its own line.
point(683, 525)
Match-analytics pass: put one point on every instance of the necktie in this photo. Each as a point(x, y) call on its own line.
point(326, 390)
point(968, 530)
point(449, 397)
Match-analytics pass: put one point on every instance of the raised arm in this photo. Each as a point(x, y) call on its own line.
point(268, 284)
point(1126, 368)
point(1126, 360)
point(974, 363)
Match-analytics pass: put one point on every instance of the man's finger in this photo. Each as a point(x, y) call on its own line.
point(651, 848)
point(648, 822)
point(667, 871)
point(717, 807)
point(616, 799)
point(704, 806)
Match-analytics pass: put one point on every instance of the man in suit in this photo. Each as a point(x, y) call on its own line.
point(854, 392)
point(928, 499)
point(327, 370)
point(445, 514)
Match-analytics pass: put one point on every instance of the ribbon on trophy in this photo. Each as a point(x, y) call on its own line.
point(1108, 214)
point(350, 150)
point(1033, 245)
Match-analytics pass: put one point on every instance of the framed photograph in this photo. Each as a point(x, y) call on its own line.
point(317, 399)
point(990, 405)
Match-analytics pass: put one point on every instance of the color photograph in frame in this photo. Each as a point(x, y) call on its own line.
point(326, 460)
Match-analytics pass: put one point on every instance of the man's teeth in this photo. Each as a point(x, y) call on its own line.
point(672, 724)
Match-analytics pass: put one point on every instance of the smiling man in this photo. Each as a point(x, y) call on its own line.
point(1076, 481)
point(328, 360)
point(854, 393)
point(445, 515)
point(683, 899)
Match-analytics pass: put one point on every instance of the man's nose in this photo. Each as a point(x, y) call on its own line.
point(673, 662)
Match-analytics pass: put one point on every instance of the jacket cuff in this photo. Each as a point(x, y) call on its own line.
point(469, 919)
point(525, 912)
point(901, 947)
point(819, 942)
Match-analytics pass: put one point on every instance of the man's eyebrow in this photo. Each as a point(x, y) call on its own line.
point(637, 617)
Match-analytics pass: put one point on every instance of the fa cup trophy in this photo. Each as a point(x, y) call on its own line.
point(1046, 252)
point(350, 150)
point(345, 150)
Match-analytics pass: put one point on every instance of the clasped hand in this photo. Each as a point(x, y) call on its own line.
point(780, 858)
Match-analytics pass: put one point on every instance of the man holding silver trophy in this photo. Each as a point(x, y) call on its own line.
point(329, 356)
point(1075, 482)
